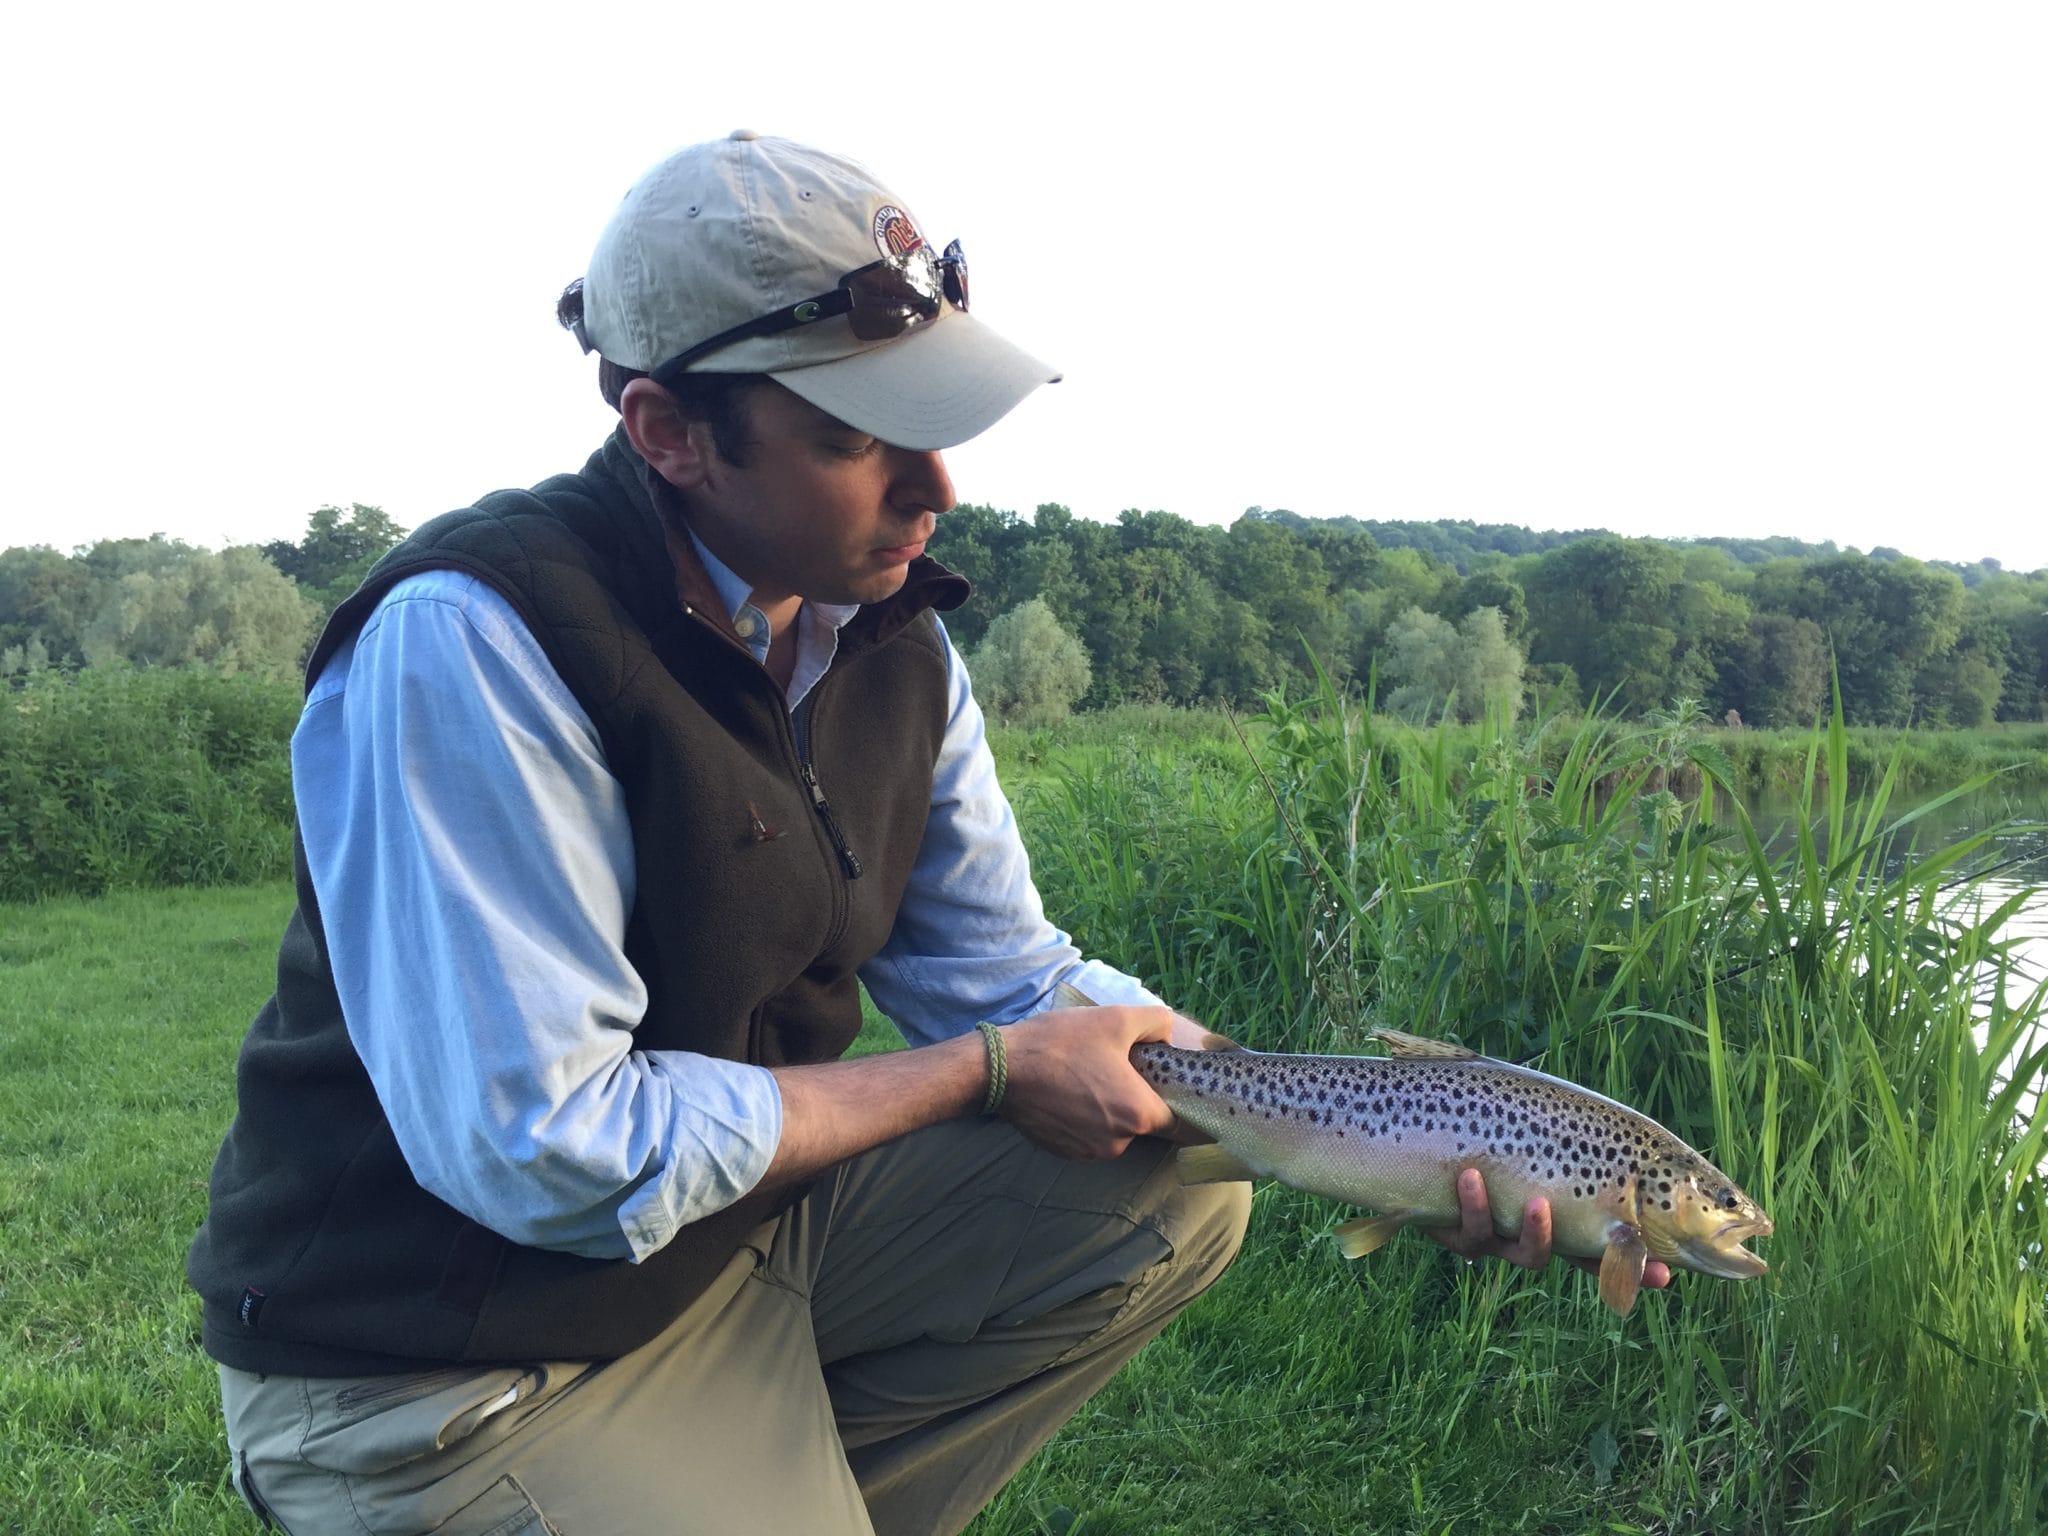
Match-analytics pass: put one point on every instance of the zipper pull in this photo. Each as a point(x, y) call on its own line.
point(847, 857)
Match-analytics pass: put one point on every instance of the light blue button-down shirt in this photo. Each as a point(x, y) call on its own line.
point(474, 865)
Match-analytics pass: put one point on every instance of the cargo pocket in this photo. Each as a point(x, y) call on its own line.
point(503, 1509)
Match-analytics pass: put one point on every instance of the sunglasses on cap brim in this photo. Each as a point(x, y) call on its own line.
point(880, 300)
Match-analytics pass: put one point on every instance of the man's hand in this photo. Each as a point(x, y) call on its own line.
point(1072, 1088)
point(1474, 1237)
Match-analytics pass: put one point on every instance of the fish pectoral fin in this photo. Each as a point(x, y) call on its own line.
point(1400, 1043)
point(1621, 1270)
point(1211, 1164)
point(1363, 1234)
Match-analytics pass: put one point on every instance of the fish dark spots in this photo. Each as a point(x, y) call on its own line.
point(1665, 1203)
point(1461, 1146)
point(1429, 1125)
point(1340, 1135)
point(1233, 1109)
point(1664, 1188)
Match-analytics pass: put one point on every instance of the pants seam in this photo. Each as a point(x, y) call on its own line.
point(339, 1479)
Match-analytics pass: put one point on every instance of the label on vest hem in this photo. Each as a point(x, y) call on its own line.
point(252, 1304)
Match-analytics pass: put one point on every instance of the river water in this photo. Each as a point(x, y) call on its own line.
point(2022, 847)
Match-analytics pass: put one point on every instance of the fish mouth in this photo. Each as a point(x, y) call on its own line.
point(1723, 1255)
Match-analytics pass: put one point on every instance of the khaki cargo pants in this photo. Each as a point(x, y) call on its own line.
point(883, 1357)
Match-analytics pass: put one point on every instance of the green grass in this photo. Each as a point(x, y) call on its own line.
point(119, 1019)
point(1806, 1017)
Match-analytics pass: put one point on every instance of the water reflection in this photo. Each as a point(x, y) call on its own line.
point(2021, 846)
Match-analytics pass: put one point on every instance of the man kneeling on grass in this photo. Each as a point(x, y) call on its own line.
point(548, 1202)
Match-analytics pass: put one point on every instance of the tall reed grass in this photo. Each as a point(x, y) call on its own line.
point(1829, 1020)
point(117, 777)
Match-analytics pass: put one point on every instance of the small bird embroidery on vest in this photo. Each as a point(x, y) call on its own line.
point(761, 831)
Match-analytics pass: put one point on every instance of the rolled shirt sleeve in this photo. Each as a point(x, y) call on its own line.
point(474, 865)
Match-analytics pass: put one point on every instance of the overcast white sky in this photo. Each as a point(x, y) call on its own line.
point(1741, 269)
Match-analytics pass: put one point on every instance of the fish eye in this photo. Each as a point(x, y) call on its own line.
point(1726, 1199)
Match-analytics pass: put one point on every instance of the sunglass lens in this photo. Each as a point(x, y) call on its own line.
point(953, 275)
point(892, 296)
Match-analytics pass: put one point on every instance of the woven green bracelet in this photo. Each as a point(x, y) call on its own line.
point(998, 1068)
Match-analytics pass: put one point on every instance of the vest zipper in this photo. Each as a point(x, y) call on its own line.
point(848, 859)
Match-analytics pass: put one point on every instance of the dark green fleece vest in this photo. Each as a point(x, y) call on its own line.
point(753, 908)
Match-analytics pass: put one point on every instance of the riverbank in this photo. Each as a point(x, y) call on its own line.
point(1809, 1020)
point(1764, 763)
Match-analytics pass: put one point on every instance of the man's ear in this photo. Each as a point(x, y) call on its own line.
point(677, 448)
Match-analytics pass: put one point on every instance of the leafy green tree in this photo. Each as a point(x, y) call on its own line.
point(1044, 569)
point(1283, 580)
point(20, 660)
point(1404, 578)
point(46, 599)
point(1959, 690)
point(2005, 617)
point(338, 550)
point(1473, 665)
point(1029, 670)
point(980, 543)
point(1777, 675)
point(1422, 662)
point(1885, 620)
point(1604, 607)
point(1489, 589)
point(1489, 666)
point(233, 610)
point(109, 560)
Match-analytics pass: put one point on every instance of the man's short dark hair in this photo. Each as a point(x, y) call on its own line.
point(716, 399)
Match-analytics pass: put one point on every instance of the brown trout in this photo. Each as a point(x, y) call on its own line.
point(1391, 1133)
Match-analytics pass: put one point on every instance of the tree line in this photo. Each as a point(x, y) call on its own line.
point(1439, 616)
point(1188, 613)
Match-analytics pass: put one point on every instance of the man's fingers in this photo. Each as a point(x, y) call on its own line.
point(1475, 1216)
point(1532, 1250)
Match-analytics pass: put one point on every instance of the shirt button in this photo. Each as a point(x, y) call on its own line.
point(743, 626)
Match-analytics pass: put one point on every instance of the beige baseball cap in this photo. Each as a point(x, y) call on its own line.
point(723, 234)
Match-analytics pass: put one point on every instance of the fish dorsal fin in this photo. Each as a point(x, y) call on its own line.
point(1400, 1043)
point(1067, 996)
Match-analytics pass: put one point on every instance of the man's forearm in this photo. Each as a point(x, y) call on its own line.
point(838, 1109)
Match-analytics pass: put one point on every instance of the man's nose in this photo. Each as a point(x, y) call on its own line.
point(923, 484)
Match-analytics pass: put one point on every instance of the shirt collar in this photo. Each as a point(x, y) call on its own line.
point(733, 590)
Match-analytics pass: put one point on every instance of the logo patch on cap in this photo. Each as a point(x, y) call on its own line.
point(895, 232)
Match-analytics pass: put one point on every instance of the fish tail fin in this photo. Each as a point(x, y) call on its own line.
point(1364, 1234)
point(1211, 1164)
